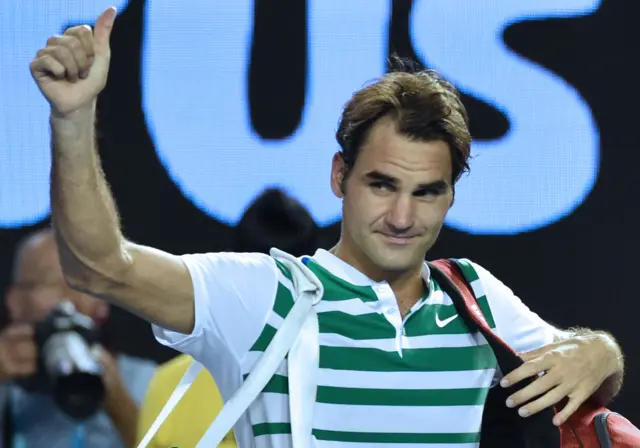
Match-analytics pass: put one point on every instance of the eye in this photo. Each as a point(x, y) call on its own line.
point(382, 186)
point(427, 192)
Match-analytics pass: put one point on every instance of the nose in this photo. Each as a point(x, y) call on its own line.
point(401, 216)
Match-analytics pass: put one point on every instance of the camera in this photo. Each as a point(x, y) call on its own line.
point(67, 368)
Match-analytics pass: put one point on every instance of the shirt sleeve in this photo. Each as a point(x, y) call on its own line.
point(233, 296)
point(516, 324)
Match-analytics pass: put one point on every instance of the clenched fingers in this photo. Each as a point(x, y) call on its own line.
point(46, 65)
point(73, 51)
point(84, 36)
point(24, 351)
point(64, 57)
point(69, 52)
point(18, 331)
point(22, 363)
point(18, 352)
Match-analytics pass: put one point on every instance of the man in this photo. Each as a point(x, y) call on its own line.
point(391, 371)
point(274, 219)
point(35, 420)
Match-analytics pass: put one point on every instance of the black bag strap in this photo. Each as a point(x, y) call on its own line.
point(536, 431)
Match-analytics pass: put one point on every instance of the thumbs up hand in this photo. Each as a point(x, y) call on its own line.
point(72, 69)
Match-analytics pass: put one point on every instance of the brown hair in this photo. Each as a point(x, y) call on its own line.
point(425, 107)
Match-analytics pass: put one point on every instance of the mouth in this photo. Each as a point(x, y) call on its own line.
point(398, 240)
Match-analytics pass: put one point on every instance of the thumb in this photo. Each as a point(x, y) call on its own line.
point(102, 29)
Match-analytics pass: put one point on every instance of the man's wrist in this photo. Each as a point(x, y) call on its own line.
point(613, 353)
point(74, 123)
point(613, 361)
point(609, 352)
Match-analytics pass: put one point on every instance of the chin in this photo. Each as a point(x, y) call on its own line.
point(395, 262)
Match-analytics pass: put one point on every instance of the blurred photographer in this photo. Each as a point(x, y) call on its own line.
point(60, 387)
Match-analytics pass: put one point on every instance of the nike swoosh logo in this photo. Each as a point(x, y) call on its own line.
point(444, 323)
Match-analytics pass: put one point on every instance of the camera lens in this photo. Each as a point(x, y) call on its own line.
point(78, 394)
point(74, 374)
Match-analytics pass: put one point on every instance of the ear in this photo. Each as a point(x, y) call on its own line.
point(338, 170)
point(13, 303)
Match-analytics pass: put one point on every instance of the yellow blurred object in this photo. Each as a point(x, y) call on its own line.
point(191, 417)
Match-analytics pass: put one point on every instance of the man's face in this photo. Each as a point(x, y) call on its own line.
point(395, 199)
point(40, 285)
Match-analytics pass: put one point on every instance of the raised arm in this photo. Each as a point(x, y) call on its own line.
point(96, 258)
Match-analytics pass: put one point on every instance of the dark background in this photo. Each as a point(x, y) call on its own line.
point(580, 271)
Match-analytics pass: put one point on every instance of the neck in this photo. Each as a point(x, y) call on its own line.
point(405, 283)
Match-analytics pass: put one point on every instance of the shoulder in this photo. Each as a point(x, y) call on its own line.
point(474, 270)
point(483, 282)
point(520, 327)
point(486, 285)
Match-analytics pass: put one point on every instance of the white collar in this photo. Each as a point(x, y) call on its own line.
point(348, 273)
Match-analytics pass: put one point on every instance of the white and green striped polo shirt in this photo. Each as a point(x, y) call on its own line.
point(383, 381)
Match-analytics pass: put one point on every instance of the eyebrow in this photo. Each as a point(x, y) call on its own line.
point(377, 176)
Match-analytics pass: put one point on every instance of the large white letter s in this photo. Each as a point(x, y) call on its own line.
point(548, 163)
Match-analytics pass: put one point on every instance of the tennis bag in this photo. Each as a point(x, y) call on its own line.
point(591, 426)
